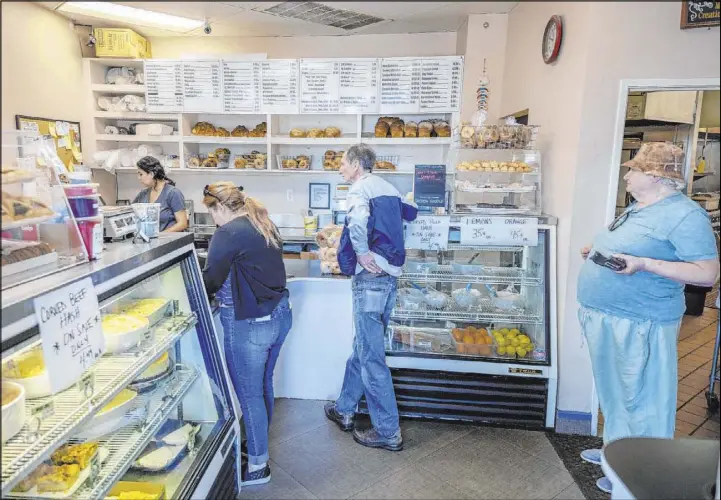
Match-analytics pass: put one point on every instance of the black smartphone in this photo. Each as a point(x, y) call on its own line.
point(612, 263)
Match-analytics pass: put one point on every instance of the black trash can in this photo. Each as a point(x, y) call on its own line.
point(696, 299)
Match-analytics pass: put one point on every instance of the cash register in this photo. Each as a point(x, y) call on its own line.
point(118, 222)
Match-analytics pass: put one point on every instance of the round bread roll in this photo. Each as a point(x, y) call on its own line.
point(326, 267)
point(303, 164)
point(289, 163)
point(240, 162)
point(259, 163)
point(329, 155)
point(221, 132)
point(335, 268)
point(239, 131)
point(331, 254)
point(315, 133)
point(297, 133)
point(332, 132)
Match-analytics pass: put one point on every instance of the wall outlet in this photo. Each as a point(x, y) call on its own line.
point(289, 195)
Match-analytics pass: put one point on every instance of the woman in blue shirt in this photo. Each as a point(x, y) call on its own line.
point(160, 189)
point(246, 272)
point(631, 316)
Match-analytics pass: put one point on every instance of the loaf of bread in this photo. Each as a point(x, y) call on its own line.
point(384, 165)
point(382, 129)
point(17, 250)
point(411, 129)
point(397, 129)
point(425, 129)
point(442, 129)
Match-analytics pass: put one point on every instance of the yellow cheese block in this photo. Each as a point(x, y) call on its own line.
point(124, 396)
point(118, 324)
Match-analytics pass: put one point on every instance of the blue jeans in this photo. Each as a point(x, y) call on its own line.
point(366, 371)
point(252, 347)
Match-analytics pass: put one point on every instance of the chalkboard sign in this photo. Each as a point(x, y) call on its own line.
point(699, 14)
point(429, 186)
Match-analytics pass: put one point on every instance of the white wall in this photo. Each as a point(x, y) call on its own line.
point(575, 100)
point(41, 65)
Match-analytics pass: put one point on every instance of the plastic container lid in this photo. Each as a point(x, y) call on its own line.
point(79, 196)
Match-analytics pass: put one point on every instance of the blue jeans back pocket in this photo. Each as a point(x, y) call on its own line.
point(374, 301)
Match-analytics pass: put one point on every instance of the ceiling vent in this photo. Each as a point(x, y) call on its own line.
point(321, 14)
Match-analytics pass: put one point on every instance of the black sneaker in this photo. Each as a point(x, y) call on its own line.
point(372, 439)
point(345, 422)
point(261, 476)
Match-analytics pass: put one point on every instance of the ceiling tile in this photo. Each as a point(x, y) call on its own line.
point(270, 25)
point(385, 10)
point(212, 11)
point(483, 7)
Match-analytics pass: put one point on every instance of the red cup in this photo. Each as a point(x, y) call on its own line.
point(86, 228)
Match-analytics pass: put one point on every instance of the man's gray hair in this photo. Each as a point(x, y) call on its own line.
point(362, 153)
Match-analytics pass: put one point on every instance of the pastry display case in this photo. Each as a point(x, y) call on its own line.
point(39, 234)
point(496, 181)
point(473, 333)
point(153, 417)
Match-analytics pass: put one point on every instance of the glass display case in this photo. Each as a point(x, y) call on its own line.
point(152, 416)
point(39, 235)
point(496, 181)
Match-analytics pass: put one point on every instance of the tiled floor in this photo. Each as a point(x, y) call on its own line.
point(312, 458)
point(695, 352)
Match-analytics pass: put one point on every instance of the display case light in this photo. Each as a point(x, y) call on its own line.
point(131, 15)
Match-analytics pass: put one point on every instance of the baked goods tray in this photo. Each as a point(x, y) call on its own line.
point(486, 312)
point(55, 418)
point(127, 444)
point(27, 264)
point(28, 222)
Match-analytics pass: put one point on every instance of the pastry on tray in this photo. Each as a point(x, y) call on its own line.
point(203, 128)
point(332, 132)
point(59, 478)
point(79, 454)
point(240, 131)
point(29, 482)
point(384, 165)
point(209, 163)
point(221, 132)
point(16, 250)
point(16, 208)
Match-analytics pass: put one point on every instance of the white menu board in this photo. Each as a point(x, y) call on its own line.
point(241, 86)
point(202, 87)
point(400, 85)
point(441, 82)
point(358, 90)
point(279, 86)
point(319, 85)
point(163, 86)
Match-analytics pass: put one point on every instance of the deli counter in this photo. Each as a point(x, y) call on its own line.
point(153, 415)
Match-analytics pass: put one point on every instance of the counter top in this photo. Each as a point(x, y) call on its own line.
point(116, 259)
point(298, 269)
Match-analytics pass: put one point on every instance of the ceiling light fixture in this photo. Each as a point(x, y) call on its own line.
point(131, 15)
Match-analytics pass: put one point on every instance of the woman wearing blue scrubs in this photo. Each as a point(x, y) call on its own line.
point(631, 317)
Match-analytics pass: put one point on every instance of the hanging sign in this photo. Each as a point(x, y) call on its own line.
point(241, 87)
point(163, 86)
point(427, 232)
point(279, 86)
point(700, 14)
point(70, 328)
point(202, 87)
point(358, 87)
point(499, 231)
point(319, 85)
point(429, 186)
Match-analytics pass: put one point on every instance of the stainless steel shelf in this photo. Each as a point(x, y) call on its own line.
point(127, 444)
point(458, 246)
point(485, 314)
point(490, 275)
point(24, 452)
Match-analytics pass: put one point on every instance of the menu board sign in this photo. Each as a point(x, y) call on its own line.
point(319, 85)
point(241, 86)
point(700, 14)
point(358, 91)
point(427, 232)
point(429, 186)
point(400, 85)
point(163, 86)
point(202, 87)
point(441, 83)
point(70, 327)
point(499, 231)
point(279, 88)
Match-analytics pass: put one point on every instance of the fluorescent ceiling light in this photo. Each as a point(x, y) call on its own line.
point(131, 15)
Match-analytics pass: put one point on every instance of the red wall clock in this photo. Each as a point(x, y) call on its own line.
point(552, 36)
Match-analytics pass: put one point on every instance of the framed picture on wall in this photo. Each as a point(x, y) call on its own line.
point(319, 196)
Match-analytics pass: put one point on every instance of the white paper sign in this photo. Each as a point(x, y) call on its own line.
point(428, 232)
point(319, 85)
point(241, 87)
point(400, 85)
point(202, 87)
point(358, 92)
point(499, 231)
point(280, 86)
point(441, 80)
point(163, 86)
point(70, 328)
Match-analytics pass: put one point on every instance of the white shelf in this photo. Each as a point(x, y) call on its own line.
point(113, 62)
point(201, 139)
point(132, 115)
point(407, 141)
point(137, 138)
point(118, 89)
point(20, 455)
point(315, 141)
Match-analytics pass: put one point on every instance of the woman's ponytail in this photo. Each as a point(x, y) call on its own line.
point(258, 216)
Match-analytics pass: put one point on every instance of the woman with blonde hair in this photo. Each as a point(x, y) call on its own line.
point(245, 270)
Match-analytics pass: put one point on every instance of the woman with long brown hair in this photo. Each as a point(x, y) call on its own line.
point(245, 268)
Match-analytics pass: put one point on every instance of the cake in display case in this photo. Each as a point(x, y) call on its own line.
point(153, 416)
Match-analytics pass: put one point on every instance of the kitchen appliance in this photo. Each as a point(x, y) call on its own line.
point(289, 225)
point(118, 223)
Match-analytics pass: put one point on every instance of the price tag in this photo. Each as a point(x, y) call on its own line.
point(94, 468)
point(499, 231)
point(86, 385)
point(43, 411)
point(69, 323)
point(428, 232)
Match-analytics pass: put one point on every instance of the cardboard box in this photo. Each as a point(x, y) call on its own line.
point(150, 488)
point(112, 42)
point(308, 256)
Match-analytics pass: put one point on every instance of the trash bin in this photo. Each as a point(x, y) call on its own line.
point(696, 299)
